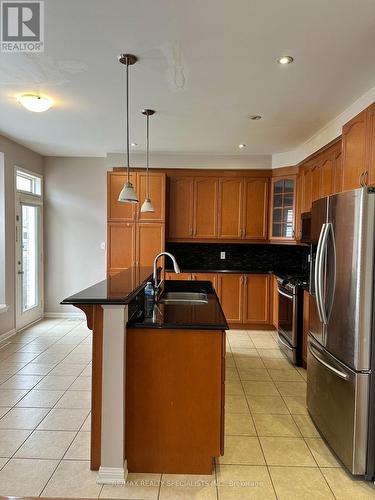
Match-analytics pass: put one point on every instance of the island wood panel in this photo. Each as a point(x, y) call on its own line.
point(173, 400)
point(354, 150)
point(181, 207)
point(157, 194)
point(230, 208)
point(117, 210)
point(94, 318)
point(256, 299)
point(205, 207)
point(231, 296)
point(255, 215)
point(121, 245)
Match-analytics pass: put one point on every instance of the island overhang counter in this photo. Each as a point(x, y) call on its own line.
point(157, 383)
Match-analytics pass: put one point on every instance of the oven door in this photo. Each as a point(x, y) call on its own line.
point(287, 334)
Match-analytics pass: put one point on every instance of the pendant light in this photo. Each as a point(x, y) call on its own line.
point(127, 195)
point(147, 205)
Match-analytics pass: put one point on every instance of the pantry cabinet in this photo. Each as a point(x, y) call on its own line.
point(134, 238)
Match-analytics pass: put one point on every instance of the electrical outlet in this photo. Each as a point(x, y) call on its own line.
point(102, 245)
point(222, 255)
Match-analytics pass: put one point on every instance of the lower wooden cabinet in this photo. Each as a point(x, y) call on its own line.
point(275, 302)
point(306, 313)
point(245, 298)
point(231, 293)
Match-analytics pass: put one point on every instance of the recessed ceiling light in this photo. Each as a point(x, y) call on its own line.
point(255, 117)
point(285, 60)
point(134, 144)
point(241, 146)
point(34, 102)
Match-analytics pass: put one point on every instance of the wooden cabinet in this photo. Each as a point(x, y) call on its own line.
point(355, 150)
point(181, 207)
point(206, 277)
point(256, 299)
point(121, 245)
point(205, 207)
point(157, 195)
point(283, 201)
point(178, 276)
point(255, 214)
point(245, 298)
point(327, 175)
point(338, 170)
point(230, 208)
point(149, 242)
point(275, 302)
point(306, 188)
point(134, 238)
point(306, 302)
point(231, 292)
point(130, 212)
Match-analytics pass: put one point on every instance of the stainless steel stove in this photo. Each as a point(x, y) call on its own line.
point(290, 322)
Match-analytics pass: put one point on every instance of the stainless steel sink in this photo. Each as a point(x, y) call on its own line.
point(184, 297)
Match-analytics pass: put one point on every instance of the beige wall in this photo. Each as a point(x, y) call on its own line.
point(14, 155)
point(74, 227)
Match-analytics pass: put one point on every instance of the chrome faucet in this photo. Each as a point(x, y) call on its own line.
point(155, 275)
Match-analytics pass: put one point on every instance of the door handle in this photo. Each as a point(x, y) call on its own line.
point(21, 272)
point(361, 179)
point(339, 373)
point(318, 273)
point(365, 178)
point(285, 294)
point(331, 298)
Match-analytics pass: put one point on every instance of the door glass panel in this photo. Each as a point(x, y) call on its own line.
point(29, 257)
point(282, 212)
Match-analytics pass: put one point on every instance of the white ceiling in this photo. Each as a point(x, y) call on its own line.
point(204, 66)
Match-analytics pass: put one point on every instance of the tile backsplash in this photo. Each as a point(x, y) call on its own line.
point(252, 257)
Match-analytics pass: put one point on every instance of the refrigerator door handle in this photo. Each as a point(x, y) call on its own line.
point(339, 373)
point(332, 285)
point(319, 274)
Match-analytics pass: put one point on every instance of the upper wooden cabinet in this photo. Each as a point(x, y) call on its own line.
point(157, 195)
point(130, 212)
point(356, 150)
point(230, 208)
point(283, 204)
point(181, 207)
point(255, 215)
point(205, 207)
point(306, 188)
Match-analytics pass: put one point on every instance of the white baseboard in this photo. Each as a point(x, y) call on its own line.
point(69, 315)
point(112, 475)
point(7, 335)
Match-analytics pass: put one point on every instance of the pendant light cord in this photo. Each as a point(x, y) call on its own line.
point(147, 156)
point(127, 119)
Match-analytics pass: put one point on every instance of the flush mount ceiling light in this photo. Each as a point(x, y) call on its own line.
point(285, 60)
point(147, 205)
point(127, 195)
point(34, 102)
point(241, 146)
point(255, 117)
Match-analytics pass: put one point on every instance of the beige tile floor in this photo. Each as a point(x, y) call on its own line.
point(272, 449)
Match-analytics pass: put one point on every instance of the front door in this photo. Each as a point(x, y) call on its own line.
point(29, 261)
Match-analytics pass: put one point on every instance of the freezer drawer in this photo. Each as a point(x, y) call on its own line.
point(337, 400)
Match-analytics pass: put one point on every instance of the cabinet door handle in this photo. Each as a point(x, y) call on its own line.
point(361, 179)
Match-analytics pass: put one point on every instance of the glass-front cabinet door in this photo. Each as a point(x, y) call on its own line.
point(283, 208)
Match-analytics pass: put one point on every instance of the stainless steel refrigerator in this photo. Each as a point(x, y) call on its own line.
point(341, 353)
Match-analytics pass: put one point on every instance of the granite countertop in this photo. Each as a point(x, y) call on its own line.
point(206, 316)
point(118, 289)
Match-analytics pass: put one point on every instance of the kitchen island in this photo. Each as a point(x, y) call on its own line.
point(157, 382)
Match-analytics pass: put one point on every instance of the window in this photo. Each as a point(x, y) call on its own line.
point(28, 183)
